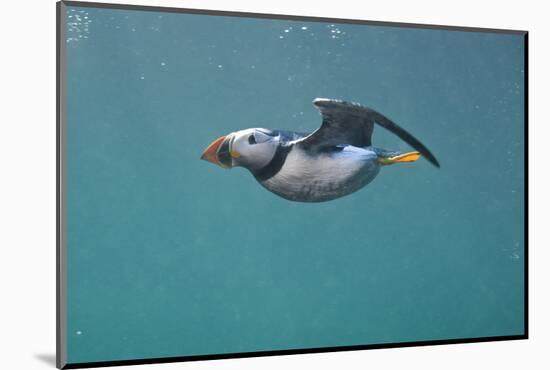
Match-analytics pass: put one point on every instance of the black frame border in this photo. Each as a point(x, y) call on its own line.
point(61, 354)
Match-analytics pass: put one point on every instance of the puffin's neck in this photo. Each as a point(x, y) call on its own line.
point(275, 165)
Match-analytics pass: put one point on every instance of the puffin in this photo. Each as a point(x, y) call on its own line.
point(334, 161)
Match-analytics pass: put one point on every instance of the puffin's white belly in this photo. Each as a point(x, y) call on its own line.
point(327, 176)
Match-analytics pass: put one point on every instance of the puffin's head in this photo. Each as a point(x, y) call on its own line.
point(252, 148)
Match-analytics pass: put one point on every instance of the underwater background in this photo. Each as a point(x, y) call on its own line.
point(172, 256)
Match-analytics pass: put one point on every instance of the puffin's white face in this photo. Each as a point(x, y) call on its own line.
point(252, 148)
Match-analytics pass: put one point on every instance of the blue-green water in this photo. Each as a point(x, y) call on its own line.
point(171, 256)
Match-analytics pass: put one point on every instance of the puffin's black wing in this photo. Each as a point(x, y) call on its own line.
point(351, 123)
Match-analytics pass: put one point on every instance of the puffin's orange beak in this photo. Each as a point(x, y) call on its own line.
point(211, 152)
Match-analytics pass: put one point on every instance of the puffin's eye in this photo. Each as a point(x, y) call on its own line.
point(251, 139)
